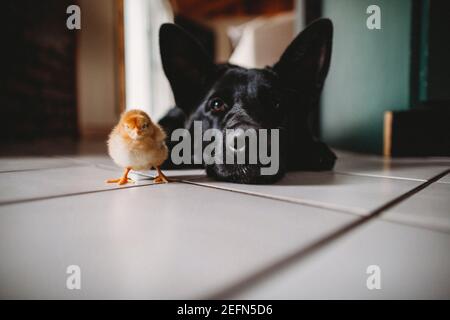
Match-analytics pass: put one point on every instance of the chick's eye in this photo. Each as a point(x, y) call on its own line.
point(145, 126)
point(217, 105)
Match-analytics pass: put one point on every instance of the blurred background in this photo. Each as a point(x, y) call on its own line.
point(388, 90)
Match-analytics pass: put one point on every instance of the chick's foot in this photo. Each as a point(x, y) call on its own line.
point(123, 180)
point(160, 178)
point(120, 181)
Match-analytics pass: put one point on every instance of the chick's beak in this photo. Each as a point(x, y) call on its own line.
point(134, 134)
point(137, 134)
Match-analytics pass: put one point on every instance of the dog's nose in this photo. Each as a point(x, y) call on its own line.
point(236, 141)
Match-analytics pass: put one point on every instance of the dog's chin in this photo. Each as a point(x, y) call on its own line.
point(240, 173)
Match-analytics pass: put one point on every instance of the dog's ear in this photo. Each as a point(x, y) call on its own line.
point(304, 64)
point(186, 65)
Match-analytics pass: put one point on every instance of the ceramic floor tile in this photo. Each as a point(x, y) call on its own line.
point(342, 154)
point(416, 169)
point(414, 264)
point(167, 241)
point(93, 159)
point(174, 174)
point(445, 179)
point(53, 147)
point(26, 185)
point(349, 193)
point(105, 162)
point(21, 163)
point(429, 208)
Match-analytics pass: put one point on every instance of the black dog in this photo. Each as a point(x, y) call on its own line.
point(227, 96)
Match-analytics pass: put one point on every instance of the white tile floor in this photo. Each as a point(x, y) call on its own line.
point(312, 235)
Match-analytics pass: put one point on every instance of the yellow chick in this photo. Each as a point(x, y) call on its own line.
point(139, 144)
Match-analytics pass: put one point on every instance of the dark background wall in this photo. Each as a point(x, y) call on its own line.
point(401, 67)
point(369, 74)
point(435, 52)
point(37, 80)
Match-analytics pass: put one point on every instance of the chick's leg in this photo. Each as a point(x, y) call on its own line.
point(122, 180)
point(160, 178)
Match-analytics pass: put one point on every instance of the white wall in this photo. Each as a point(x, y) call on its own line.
point(146, 85)
point(96, 67)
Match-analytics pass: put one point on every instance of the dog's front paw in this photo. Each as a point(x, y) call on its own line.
point(322, 158)
point(316, 156)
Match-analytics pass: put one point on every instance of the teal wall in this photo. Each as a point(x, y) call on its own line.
point(370, 72)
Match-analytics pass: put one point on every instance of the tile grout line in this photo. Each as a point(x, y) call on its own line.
point(317, 204)
point(81, 193)
point(254, 278)
point(358, 174)
point(12, 202)
point(416, 225)
point(74, 165)
point(320, 206)
point(309, 203)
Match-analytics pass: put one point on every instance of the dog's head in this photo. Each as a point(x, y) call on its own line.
point(230, 97)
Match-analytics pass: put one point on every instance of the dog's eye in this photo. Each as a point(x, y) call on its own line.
point(217, 105)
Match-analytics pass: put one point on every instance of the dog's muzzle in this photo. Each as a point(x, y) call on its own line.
point(246, 157)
